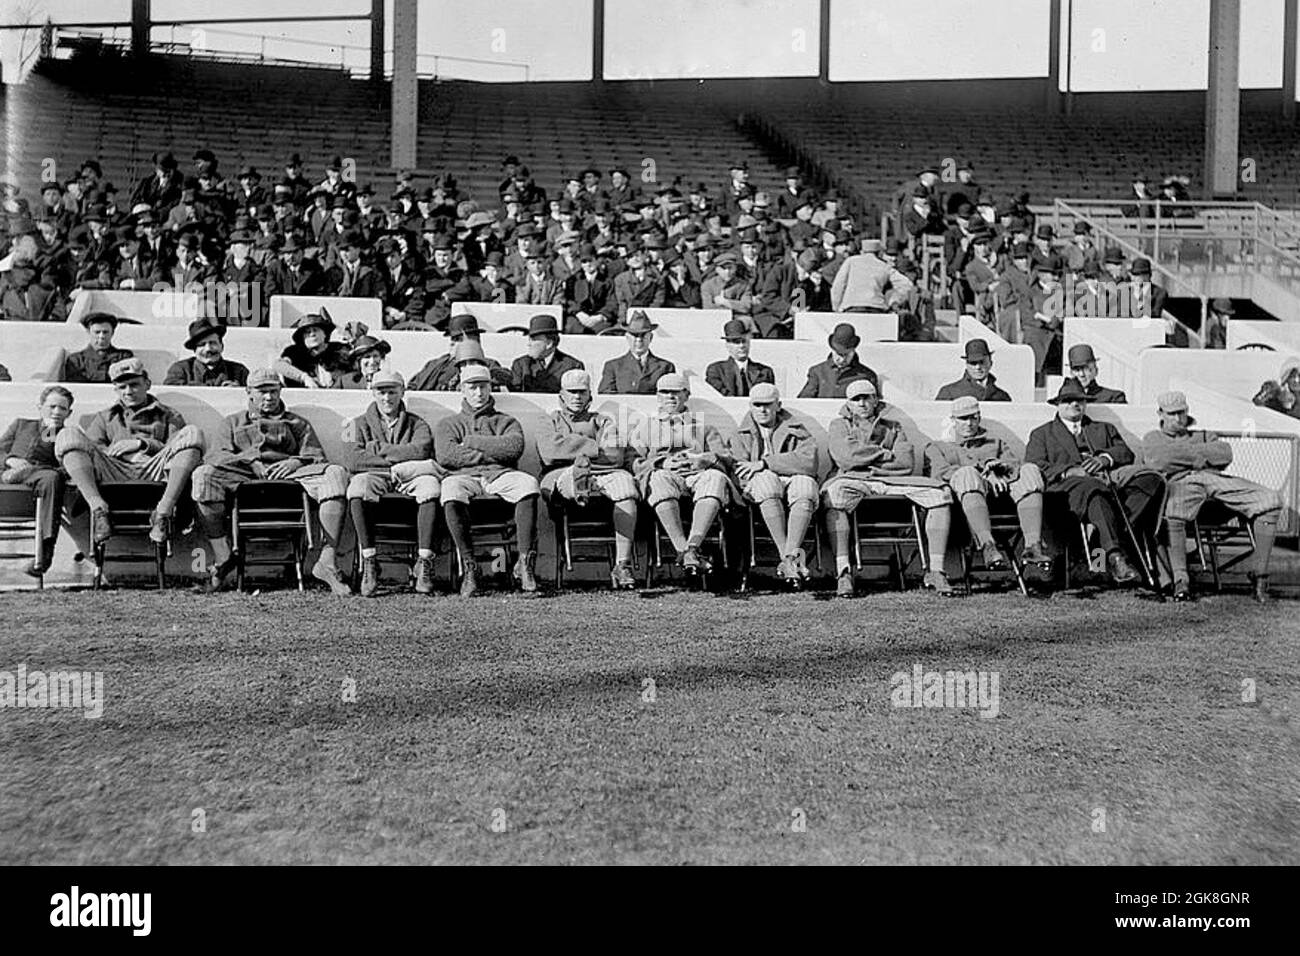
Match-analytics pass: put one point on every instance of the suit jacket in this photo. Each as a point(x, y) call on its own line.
point(988, 392)
point(193, 372)
point(24, 438)
point(1054, 450)
point(633, 293)
point(626, 376)
point(91, 366)
point(530, 376)
point(726, 378)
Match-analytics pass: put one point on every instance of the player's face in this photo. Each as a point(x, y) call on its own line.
point(55, 409)
point(966, 426)
point(134, 391)
point(673, 402)
point(576, 400)
point(388, 398)
point(476, 394)
point(764, 412)
point(265, 399)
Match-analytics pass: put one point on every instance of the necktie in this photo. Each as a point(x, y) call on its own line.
point(743, 379)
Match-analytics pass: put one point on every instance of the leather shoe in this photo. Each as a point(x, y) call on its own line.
point(1259, 587)
point(1121, 572)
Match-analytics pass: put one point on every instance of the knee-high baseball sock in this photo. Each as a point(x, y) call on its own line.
point(331, 526)
point(457, 515)
point(838, 523)
point(976, 509)
point(702, 518)
point(773, 512)
point(79, 468)
point(670, 516)
point(526, 524)
point(1177, 547)
point(1029, 510)
point(801, 512)
point(179, 469)
point(426, 526)
point(1265, 528)
point(937, 523)
point(361, 525)
point(624, 530)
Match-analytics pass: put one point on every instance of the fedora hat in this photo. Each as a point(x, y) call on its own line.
point(202, 328)
point(543, 325)
point(639, 323)
point(1071, 391)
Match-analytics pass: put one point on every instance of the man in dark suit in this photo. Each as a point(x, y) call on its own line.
point(978, 382)
point(292, 274)
point(544, 365)
point(737, 375)
point(1083, 366)
point(637, 372)
point(1079, 458)
point(92, 363)
point(831, 378)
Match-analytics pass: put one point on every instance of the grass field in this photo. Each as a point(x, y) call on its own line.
point(515, 730)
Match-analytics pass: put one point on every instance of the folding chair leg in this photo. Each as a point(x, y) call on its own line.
point(98, 551)
point(299, 559)
point(160, 561)
point(239, 569)
point(1020, 573)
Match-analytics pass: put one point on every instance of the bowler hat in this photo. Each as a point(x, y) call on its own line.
point(736, 329)
point(543, 325)
point(977, 350)
point(1140, 267)
point(843, 338)
point(202, 328)
point(1079, 355)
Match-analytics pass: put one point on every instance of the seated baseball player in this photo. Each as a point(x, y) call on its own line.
point(480, 447)
point(92, 363)
point(207, 340)
point(27, 458)
point(775, 464)
point(1082, 459)
point(975, 465)
point(582, 455)
point(873, 456)
point(269, 443)
point(389, 450)
point(138, 438)
point(679, 456)
point(1193, 462)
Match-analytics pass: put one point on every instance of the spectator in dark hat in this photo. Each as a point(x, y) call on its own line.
point(207, 368)
point(921, 217)
point(22, 296)
point(367, 355)
point(1082, 363)
point(590, 304)
point(489, 285)
point(1041, 320)
point(440, 277)
point(637, 287)
point(729, 287)
point(249, 194)
point(620, 187)
point(1217, 316)
point(539, 287)
point(297, 185)
point(292, 273)
point(313, 361)
point(681, 291)
point(978, 382)
point(350, 277)
point(831, 378)
point(1147, 299)
point(1113, 264)
point(401, 290)
point(637, 371)
point(92, 363)
point(185, 269)
point(794, 194)
point(544, 365)
point(162, 188)
point(813, 292)
point(442, 374)
point(966, 191)
point(242, 277)
point(128, 265)
point(738, 374)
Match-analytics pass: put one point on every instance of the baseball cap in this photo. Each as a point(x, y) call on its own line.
point(575, 379)
point(762, 393)
point(862, 386)
point(475, 373)
point(127, 368)
point(261, 377)
point(387, 377)
point(672, 382)
point(1170, 402)
point(965, 407)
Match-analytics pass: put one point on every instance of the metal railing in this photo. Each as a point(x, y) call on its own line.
point(1064, 213)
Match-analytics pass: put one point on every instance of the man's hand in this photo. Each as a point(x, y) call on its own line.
point(997, 484)
point(16, 469)
point(124, 446)
point(1075, 471)
point(679, 463)
point(406, 470)
point(282, 469)
point(1093, 465)
point(591, 321)
point(748, 469)
point(309, 380)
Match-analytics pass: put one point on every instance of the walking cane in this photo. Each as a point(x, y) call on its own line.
point(1147, 576)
